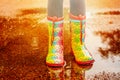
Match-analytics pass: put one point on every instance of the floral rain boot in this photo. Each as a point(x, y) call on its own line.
point(55, 52)
point(82, 55)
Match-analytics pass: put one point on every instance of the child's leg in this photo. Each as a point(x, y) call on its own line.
point(55, 52)
point(77, 22)
point(55, 8)
point(77, 7)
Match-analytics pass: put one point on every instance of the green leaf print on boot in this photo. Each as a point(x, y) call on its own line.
point(82, 55)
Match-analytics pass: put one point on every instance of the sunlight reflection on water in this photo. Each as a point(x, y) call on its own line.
point(25, 33)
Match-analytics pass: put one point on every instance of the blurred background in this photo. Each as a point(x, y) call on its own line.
point(8, 7)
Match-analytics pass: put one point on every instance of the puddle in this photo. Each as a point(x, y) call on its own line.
point(24, 46)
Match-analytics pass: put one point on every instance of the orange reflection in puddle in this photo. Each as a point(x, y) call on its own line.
point(71, 72)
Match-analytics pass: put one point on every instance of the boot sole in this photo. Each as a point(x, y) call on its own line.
point(85, 62)
point(55, 65)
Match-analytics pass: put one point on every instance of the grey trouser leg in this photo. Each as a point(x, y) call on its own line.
point(77, 7)
point(55, 8)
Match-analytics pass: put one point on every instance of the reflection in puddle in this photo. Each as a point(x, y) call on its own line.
point(78, 71)
point(56, 73)
point(71, 72)
point(113, 41)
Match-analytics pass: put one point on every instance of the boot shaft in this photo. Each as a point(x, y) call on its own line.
point(55, 36)
point(55, 49)
point(77, 28)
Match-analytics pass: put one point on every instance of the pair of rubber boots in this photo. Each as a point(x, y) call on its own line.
point(55, 55)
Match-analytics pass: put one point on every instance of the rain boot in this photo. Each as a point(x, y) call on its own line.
point(77, 25)
point(55, 51)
